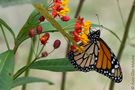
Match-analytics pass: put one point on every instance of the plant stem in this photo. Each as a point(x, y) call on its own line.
point(29, 60)
point(63, 81)
point(79, 8)
point(7, 44)
point(122, 46)
point(23, 69)
point(45, 13)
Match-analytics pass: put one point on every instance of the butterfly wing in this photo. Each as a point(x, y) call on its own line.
point(107, 63)
point(85, 61)
point(97, 56)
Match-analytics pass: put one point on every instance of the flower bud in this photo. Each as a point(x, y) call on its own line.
point(41, 19)
point(47, 35)
point(31, 32)
point(78, 30)
point(56, 44)
point(65, 18)
point(73, 47)
point(77, 39)
point(44, 38)
point(44, 54)
point(39, 29)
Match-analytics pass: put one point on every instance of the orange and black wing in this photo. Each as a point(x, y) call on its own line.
point(107, 63)
point(85, 61)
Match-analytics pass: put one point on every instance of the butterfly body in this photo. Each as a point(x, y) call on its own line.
point(98, 57)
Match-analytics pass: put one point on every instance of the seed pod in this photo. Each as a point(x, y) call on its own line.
point(44, 54)
point(31, 32)
point(42, 18)
point(65, 18)
point(39, 29)
point(56, 44)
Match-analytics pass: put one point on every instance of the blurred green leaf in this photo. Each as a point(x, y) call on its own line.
point(6, 70)
point(57, 65)
point(2, 22)
point(5, 3)
point(27, 80)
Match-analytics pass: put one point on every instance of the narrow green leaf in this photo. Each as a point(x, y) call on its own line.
point(6, 70)
point(57, 65)
point(15, 2)
point(27, 80)
point(2, 22)
point(32, 22)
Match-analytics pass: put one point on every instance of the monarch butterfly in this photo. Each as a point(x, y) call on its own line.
point(97, 56)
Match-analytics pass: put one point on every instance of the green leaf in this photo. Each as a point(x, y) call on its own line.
point(27, 80)
point(2, 22)
point(6, 70)
point(57, 65)
point(32, 22)
point(15, 2)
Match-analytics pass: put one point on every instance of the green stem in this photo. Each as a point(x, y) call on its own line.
point(37, 45)
point(63, 81)
point(29, 60)
point(45, 13)
point(23, 69)
point(122, 46)
point(7, 44)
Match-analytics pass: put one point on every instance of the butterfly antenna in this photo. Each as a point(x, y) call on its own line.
point(98, 21)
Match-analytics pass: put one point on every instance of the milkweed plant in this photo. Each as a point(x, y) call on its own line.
point(47, 17)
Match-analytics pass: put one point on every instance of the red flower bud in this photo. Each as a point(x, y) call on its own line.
point(56, 44)
point(78, 30)
point(78, 26)
point(77, 39)
point(44, 54)
point(41, 19)
point(65, 18)
point(39, 29)
point(73, 47)
point(46, 35)
point(44, 38)
point(31, 32)
point(75, 33)
point(54, 14)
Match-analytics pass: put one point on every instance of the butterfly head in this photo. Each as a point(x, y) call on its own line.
point(94, 35)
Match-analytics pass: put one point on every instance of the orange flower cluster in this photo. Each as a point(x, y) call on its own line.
point(60, 8)
point(80, 33)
